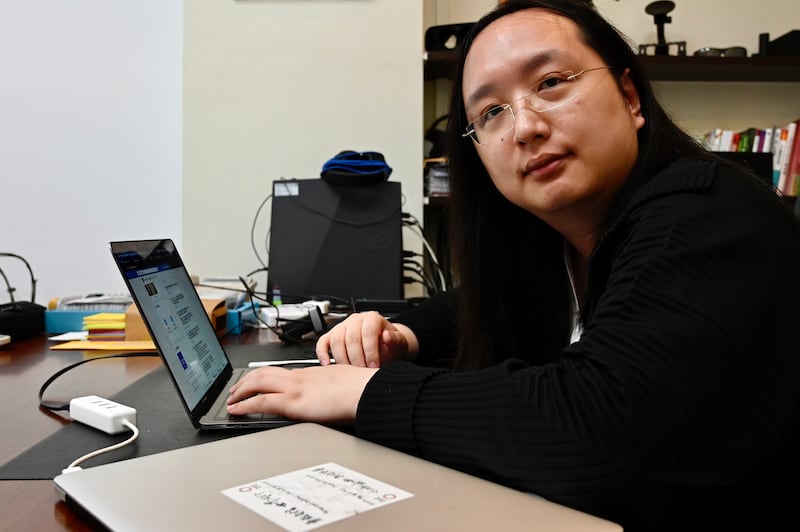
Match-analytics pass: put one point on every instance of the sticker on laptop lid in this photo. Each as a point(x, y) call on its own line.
point(316, 496)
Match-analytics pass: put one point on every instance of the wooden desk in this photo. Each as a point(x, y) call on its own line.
point(24, 367)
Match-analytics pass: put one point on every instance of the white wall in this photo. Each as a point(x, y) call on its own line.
point(92, 107)
point(274, 89)
point(90, 137)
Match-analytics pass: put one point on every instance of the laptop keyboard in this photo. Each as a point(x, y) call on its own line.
point(223, 415)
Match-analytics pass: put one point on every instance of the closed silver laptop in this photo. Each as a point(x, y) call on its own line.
point(183, 489)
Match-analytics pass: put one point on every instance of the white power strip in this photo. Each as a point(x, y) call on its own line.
point(101, 414)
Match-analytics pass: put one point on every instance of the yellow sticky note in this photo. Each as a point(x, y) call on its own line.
point(105, 316)
point(136, 345)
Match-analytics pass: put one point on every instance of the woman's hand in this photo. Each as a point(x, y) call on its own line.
point(321, 394)
point(366, 339)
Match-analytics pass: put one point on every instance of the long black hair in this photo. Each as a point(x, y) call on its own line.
point(509, 264)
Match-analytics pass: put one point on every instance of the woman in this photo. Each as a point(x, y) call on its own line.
point(622, 334)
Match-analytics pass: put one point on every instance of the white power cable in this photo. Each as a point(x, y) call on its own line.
point(74, 465)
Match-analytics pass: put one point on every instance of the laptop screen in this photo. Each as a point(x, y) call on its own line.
point(169, 304)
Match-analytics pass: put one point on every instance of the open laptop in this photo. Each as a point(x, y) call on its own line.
point(189, 489)
point(183, 334)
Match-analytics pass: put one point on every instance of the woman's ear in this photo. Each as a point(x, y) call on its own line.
point(631, 97)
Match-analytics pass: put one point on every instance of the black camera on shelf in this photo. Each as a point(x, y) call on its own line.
point(659, 11)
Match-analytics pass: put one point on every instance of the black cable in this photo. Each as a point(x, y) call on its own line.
point(412, 254)
point(8, 286)
point(415, 267)
point(253, 232)
point(264, 269)
point(251, 295)
point(300, 325)
point(409, 220)
point(437, 275)
point(441, 274)
point(411, 280)
point(30, 271)
point(60, 372)
point(412, 220)
point(424, 279)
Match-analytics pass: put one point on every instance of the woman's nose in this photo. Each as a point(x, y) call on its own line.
point(528, 124)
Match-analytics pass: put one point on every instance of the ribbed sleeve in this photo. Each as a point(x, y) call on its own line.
point(386, 411)
point(434, 324)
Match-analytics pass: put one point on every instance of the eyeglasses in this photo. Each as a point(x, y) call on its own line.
point(549, 93)
point(733, 51)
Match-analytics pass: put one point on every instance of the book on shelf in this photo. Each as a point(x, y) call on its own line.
point(725, 140)
point(746, 139)
point(711, 139)
point(783, 153)
point(783, 142)
point(766, 144)
point(730, 140)
point(758, 139)
point(793, 164)
point(436, 178)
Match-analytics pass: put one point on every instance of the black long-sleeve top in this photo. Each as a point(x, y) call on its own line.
point(678, 407)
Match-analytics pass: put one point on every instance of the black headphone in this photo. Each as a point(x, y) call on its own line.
point(356, 168)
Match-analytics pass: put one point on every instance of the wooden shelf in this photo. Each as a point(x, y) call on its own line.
point(755, 69)
point(441, 65)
